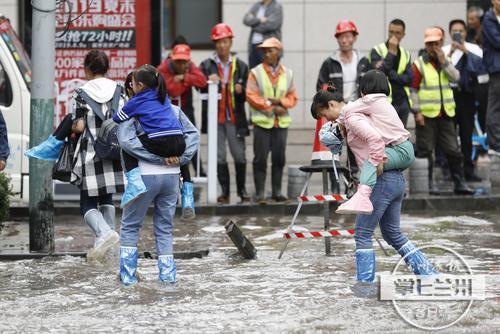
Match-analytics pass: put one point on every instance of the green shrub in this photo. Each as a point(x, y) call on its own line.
point(5, 193)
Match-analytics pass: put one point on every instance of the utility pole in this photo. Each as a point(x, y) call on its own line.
point(41, 124)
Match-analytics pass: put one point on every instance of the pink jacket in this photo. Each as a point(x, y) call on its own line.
point(372, 123)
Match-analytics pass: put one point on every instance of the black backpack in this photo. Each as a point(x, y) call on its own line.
point(106, 145)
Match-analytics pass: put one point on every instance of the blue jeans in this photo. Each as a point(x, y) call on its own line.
point(163, 191)
point(386, 198)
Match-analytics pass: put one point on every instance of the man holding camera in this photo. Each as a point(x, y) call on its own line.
point(434, 109)
point(467, 59)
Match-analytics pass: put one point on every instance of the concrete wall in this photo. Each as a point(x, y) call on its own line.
point(309, 26)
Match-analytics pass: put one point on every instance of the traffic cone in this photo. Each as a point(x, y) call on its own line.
point(321, 155)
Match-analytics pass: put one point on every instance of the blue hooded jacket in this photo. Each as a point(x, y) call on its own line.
point(491, 42)
point(157, 120)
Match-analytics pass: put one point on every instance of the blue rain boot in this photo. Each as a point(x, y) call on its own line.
point(167, 267)
point(365, 287)
point(135, 187)
point(365, 265)
point(128, 265)
point(46, 150)
point(187, 199)
point(416, 260)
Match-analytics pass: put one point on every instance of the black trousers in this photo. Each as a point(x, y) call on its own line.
point(439, 132)
point(493, 114)
point(266, 140)
point(170, 146)
point(465, 111)
point(255, 56)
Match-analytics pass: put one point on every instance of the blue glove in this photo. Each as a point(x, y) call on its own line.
point(330, 136)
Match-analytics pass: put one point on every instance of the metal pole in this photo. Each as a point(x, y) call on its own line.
point(212, 143)
point(326, 211)
point(41, 124)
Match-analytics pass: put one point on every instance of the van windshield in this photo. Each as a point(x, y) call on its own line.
point(16, 49)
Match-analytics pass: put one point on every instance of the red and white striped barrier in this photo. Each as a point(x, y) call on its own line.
point(323, 198)
point(318, 234)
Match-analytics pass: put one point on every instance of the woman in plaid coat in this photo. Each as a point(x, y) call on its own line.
point(97, 179)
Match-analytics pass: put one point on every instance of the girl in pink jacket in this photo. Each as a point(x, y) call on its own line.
point(380, 144)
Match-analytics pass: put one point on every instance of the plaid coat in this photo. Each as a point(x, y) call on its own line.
point(92, 175)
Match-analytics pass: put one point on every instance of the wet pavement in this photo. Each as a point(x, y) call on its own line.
point(304, 292)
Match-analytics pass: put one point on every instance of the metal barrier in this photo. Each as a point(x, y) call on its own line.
point(212, 98)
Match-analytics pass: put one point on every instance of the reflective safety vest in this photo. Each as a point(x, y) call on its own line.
point(434, 91)
point(227, 102)
point(266, 119)
point(404, 59)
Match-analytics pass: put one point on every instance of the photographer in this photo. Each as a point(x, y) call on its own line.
point(467, 59)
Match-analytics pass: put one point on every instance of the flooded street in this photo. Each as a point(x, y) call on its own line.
point(304, 292)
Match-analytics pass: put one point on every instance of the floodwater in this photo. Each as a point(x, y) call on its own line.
point(304, 292)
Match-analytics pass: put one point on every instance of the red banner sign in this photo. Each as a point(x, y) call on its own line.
point(120, 28)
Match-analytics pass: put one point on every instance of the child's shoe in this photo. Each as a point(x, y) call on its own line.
point(187, 199)
point(359, 204)
point(135, 187)
point(46, 150)
point(167, 268)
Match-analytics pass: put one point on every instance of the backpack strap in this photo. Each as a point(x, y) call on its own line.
point(115, 101)
point(96, 107)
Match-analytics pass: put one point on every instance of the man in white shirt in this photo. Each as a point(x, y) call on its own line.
point(467, 59)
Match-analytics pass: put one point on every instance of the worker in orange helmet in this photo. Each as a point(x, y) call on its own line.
point(231, 74)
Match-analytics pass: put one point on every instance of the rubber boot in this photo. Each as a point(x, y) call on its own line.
point(433, 189)
point(259, 178)
point(223, 176)
point(135, 187)
point(106, 238)
point(365, 265)
point(457, 175)
point(276, 180)
point(416, 260)
point(187, 200)
point(241, 173)
point(167, 268)
point(128, 265)
point(359, 204)
point(108, 213)
point(46, 150)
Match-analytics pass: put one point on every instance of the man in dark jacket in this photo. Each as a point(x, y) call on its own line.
point(4, 144)
point(231, 75)
point(265, 18)
point(491, 59)
point(346, 66)
point(344, 69)
point(181, 75)
point(392, 59)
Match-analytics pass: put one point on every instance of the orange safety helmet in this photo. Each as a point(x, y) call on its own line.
point(220, 31)
point(346, 26)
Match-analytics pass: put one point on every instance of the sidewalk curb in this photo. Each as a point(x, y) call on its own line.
point(414, 204)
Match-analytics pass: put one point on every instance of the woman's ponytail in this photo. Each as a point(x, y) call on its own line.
point(162, 87)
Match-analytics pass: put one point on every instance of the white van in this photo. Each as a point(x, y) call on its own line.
point(15, 84)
